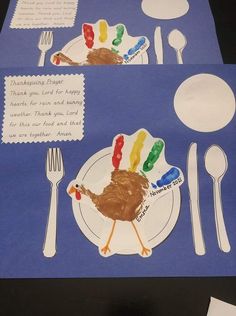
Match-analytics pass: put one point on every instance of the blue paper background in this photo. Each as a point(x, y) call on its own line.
point(19, 46)
point(117, 99)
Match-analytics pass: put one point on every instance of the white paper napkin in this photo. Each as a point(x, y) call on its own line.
point(220, 308)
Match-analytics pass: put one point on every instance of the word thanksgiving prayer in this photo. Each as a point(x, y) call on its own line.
point(43, 108)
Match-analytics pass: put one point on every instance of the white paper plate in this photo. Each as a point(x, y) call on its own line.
point(157, 223)
point(204, 103)
point(165, 9)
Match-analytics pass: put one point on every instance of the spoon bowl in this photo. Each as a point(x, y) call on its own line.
point(177, 40)
point(216, 162)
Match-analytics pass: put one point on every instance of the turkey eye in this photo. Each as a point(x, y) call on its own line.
point(76, 185)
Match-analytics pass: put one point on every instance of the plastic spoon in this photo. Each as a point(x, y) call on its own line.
point(216, 165)
point(178, 41)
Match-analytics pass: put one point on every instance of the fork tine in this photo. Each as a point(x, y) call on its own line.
point(61, 161)
point(41, 38)
point(50, 37)
point(58, 159)
point(49, 160)
point(54, 159)
point(46, 38)
point(54, 165)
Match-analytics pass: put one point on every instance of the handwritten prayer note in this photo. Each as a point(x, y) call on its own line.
point(43, 108)
point(30, 14)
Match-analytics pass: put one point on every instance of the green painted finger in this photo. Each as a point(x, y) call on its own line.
point(153, 155)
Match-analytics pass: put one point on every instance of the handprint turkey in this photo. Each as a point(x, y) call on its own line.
point(134, 183)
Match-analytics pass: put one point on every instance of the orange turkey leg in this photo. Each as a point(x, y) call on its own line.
point(106, 248)
point(145, 251)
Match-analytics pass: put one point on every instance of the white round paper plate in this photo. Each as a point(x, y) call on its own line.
point(204, 103)
point(165, 9)
point(158, 221)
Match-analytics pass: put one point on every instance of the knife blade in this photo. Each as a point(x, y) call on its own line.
point(158, 44)
point(193, 185)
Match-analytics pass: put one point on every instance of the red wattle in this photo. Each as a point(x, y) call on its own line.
point(77, 195)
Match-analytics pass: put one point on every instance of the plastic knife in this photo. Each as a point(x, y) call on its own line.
point(193, 185)
point(158, 44)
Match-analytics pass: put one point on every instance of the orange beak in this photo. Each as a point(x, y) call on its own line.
point(72, 190)
point(76, 191)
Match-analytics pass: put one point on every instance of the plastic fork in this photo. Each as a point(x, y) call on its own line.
point(54, 173)
point(45, 43)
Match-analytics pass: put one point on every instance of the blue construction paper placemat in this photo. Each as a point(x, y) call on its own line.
point(118, 100)
point(19, 46)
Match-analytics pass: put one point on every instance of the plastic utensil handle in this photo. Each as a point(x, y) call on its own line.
point(179, 56)
point(222, 237)
point(49, 249)
point(198, 240)
point(41, 59)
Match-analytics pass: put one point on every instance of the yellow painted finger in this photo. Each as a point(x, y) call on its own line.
point(136, 151)
point(103, 31)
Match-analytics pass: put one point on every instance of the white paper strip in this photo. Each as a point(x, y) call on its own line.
point(220, 308)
